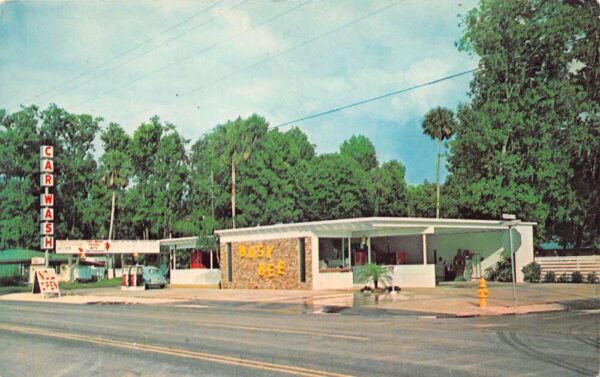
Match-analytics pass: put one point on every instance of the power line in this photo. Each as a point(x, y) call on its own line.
point(194, 54)
point(149, 51)
point(146, 41)
point(334, 110)
point(271, 57)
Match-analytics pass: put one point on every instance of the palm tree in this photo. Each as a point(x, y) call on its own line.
point(439, 124)
point(238, 140)
point(115, 167)
point(375, 273)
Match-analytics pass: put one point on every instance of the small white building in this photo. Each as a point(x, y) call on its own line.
point(328, 254)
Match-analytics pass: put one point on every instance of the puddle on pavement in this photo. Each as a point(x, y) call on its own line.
point(339, 304)
point(364, 299)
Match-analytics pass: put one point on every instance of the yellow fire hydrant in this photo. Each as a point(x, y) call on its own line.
point(482, 293)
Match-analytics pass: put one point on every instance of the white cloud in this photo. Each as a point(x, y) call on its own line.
point(405, 45)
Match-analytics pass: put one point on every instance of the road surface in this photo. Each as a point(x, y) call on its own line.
point(246, 339)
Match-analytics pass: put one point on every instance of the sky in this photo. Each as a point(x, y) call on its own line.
point(198, 64)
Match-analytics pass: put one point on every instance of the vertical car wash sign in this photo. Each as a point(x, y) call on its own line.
point(46, 197)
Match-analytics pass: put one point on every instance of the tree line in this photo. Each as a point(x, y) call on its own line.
point(526, 142)
point(154, 184)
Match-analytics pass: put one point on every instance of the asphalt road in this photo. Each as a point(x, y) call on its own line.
point(242, 339)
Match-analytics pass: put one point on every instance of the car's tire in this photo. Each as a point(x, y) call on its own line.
point(162, 286)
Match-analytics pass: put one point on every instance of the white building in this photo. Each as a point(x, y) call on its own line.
point(328, 254)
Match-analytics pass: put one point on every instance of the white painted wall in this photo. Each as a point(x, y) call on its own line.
point(414, 276)
point(196, 276)
point(332, 280)
point(314, 241)
point(524, 253)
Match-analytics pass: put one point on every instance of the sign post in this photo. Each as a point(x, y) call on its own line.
point(512, 221)
point(46, 201)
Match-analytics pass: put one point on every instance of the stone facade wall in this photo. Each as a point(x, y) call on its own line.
point(268, 264)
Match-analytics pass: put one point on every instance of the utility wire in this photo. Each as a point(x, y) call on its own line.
point(271, 57)
point(194, 54)
point(149, 51)
point(122, 53)
point(335, 110)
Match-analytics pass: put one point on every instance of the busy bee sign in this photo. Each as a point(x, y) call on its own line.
point(267, 266)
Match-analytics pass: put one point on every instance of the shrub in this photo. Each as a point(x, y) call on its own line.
point(550, 277)
point(563, 278)
point(592, 278)
point(501, 271)
point(576, 277)
point(6, 281)
point(532, 272)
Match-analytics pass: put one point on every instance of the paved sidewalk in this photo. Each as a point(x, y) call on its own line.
point(453, 299)
point(460, 299)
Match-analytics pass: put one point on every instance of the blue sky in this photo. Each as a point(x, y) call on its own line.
point(217, 65)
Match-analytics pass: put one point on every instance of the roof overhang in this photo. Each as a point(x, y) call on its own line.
point(375, 226)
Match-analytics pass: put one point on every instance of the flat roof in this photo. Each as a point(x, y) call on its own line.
point(374, 223)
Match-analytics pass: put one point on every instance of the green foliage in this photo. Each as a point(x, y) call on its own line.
point(372, 272)
point(335, 187)
point(532, 272)
point(592, 278)
point(501, 271)
point(104, 283)
point(14, 280)
point(528, 142)
point(388, 193)
point(439, 123)
point(563, 278)
point(576, 277)
point(550, 277)
point(421, 200)
point(362, 150)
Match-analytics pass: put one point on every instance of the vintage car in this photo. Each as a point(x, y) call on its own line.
point(153, 277)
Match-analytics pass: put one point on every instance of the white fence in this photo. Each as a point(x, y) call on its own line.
point(567, 265)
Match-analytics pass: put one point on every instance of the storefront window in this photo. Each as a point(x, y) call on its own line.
point(333, 255)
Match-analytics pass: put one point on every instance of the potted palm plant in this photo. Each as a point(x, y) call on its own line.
point(372, 272)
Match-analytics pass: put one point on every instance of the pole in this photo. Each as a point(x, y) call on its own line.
point(437, 180)
point(512, 265)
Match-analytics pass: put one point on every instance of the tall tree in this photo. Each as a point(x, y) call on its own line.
point(527, 142)
point(235, 142)
point(361, 149)
point(335, 187)
point(115, 165)
point(19, 183)
point(388, 189)
point(269, 182)
point(140, 198)
point(169, 183)
point(439, 124)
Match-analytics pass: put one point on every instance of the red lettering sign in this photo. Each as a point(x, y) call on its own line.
point(45, 281)
point(46, 200)
point(46, 166)
point(46, 180)
point(46, 214)
point(47, 228)
point(46, 151)
point(47, 243)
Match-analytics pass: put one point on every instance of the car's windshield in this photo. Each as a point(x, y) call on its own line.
point(152, 270)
